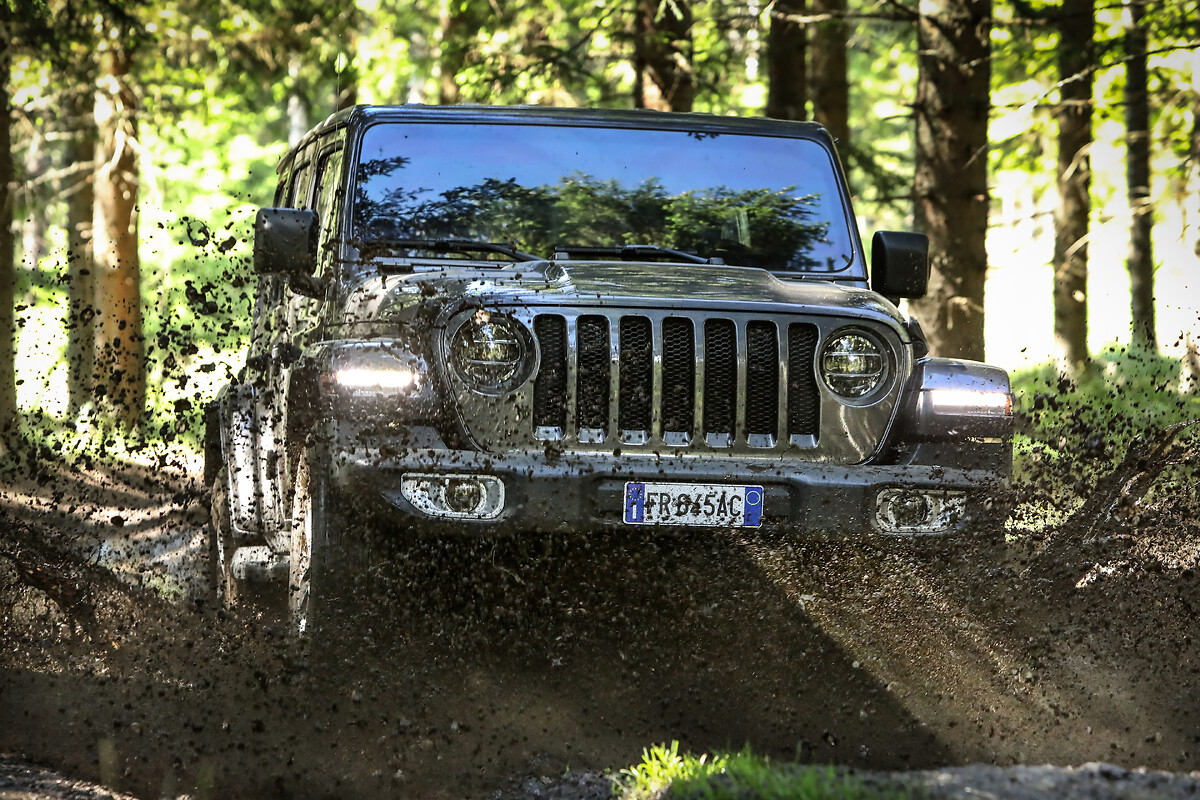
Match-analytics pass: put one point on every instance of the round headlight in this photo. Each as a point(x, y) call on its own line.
point(491, 354)
point(853, 364)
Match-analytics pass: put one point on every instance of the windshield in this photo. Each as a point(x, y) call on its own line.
point(750, 200)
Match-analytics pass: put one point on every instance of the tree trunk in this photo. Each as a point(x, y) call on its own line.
point(456, 32)
point(663, 74)
point(1137, 123)
point(8, 267)
point(120, 375)
point(297, 107)
point(831, 90)
point(954, 74)
point(787, 75)
point(33, 227)
point(347, 92)
point(80, 267)
point(1195, 155)
point(1075, 58)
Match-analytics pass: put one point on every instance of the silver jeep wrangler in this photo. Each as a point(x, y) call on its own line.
point(520, 320)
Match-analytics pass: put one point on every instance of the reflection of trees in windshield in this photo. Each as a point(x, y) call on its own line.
point(761, 227)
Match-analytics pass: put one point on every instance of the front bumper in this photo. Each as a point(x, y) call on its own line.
point(585, 493)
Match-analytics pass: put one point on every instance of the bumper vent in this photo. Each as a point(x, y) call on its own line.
point(676, 381)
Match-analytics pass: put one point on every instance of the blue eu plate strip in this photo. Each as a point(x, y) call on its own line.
point(753, 507)
point(635, 502)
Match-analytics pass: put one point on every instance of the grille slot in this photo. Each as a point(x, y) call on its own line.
point(592, 379)
point(636, 375)
point(803, 407)
point(720, 381)
point(677, 381)
point(550, 387)
point(762, 383)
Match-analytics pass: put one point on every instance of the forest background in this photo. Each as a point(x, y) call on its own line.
point(1050, 150)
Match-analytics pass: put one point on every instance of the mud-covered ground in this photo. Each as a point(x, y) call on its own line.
point(486, 668)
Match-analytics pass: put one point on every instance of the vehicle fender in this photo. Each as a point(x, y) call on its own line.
point(979, 402)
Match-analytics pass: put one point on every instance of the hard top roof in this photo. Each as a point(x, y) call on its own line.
point(363, 115)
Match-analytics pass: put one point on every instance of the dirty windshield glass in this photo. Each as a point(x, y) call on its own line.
point(751, 200)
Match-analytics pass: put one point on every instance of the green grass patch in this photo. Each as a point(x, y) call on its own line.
point(666, 773)
point(1071, 433)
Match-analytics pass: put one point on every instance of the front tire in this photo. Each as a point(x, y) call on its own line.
point(317, 531)
point(220, 543)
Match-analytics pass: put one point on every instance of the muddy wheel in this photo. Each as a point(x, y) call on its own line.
point(220, 543)
point(318, 548)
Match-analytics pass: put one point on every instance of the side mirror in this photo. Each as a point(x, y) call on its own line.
point(900, 264)
point(285, 242)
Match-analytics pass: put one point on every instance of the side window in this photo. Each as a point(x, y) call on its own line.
point(302, 312)
point(281, 191)
point(297, 196)
point(327, 188)
point(326, 205)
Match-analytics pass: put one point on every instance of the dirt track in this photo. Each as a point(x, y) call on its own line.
point(494, 660)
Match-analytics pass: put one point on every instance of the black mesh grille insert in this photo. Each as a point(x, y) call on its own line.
point(636, 375)
point(720, 376)
point(591, 385)
point(550, 387)
point(762, 378)
point(802, 401)
point(678, 375)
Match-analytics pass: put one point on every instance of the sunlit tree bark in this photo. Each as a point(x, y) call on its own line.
point(1076, 25)
point(120, 376)
point(787, 72)
point(1137, 124)
point(663, 74)
point(33, 226)
point(297, 106)
point(952, 104)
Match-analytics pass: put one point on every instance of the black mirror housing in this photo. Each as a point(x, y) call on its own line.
point(285, 242)
point(900, 264)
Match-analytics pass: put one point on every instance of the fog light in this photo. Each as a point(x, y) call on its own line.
point(478, 497)
point(464, 496)
point(918, 511)
point(910, 509)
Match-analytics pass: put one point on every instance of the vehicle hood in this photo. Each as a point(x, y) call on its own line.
point(610, 284)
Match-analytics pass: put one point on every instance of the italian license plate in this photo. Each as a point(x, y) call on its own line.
point(703, 504)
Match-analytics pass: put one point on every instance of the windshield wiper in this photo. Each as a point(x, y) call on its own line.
point(448, 246)
point(631, 252)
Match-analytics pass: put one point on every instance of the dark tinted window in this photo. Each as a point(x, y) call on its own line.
point(297, 196)
point(753, 200)
point(327, 186)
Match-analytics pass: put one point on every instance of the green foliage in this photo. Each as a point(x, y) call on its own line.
point(196, 274)
point(198, 199)
point(881, 57)
point(1071, 433)
point(563, 53)
point(664, 772)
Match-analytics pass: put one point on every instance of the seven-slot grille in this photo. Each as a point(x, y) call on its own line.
point(677, 380)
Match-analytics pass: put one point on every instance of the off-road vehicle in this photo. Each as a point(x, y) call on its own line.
point(523, 320)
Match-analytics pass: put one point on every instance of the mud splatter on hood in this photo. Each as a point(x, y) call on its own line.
point(609, 284)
